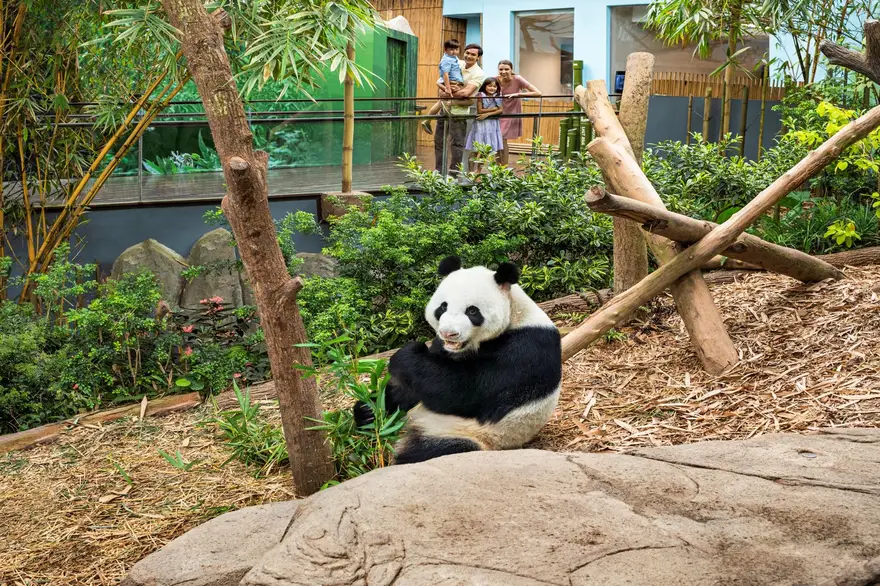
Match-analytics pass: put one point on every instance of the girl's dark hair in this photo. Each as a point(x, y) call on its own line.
point(489, 80)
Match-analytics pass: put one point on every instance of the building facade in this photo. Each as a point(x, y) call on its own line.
point(543, 37)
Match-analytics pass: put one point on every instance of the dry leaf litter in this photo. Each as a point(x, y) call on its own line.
point(85, 508)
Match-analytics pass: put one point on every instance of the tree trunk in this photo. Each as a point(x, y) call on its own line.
point(630, 250)
point(246, 206)
point(867, 63)
point(719, 238)
point(684, 230)
point(348, 123)
point(692, 297)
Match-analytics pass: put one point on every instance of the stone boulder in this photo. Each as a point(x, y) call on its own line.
point(214, 248)
point(779, 509)
point(217, 553)
point(160, 260)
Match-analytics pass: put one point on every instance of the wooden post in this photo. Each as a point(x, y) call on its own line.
point(721, 237)
point(630, 250)
point(613, 154)
point(725, 98)
point(685, 230)
point(246, 206)
point(707, 111)
point(743, 124)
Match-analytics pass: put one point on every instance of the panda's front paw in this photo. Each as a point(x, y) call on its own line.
point(363, 415)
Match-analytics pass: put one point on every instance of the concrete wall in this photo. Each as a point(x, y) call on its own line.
point(592, 35)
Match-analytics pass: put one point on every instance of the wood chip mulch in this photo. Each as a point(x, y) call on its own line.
point(810, 357)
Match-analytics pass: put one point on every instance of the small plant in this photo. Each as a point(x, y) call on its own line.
point(843, 232)
point(357, 450)
point(876, 205)
point(177, 460)
point(253, 440)
point(613, 335)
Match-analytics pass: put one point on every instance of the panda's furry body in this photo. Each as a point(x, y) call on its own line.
point(491, 377)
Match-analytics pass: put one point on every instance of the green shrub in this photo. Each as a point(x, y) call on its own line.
point(389, 251)
point(356, 450)
point(32, 354)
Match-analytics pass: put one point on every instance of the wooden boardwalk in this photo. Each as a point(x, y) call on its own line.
point(208, 187)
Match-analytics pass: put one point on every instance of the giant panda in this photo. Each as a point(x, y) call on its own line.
point(491, 377)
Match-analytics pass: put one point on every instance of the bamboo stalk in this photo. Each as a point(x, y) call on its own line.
point(707, 110)
point(348, 123)
point(52, 236)
point(64, 224)
point(743, 125)
point(687, 139)
point(25, 195)
point(764, 79)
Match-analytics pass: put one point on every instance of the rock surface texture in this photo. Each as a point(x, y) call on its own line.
point(160, 260)
point(779, 509)
point(213, 249)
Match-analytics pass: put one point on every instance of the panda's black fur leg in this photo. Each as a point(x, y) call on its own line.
point(420, 448)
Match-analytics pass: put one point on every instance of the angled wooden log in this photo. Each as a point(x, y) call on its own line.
point(721, 237)
point(694, 302)
point(684, 230)
point(630, 248)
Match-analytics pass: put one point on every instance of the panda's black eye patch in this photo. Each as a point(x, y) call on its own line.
point(441, 309)
point(473, 313)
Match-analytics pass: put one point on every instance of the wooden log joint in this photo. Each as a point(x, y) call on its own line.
point(687, 231)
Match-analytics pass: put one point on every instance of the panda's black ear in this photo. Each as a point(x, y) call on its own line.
point(507, 274)
point(450, 264)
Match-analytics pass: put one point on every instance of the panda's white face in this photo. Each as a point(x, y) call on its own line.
point(468, 308)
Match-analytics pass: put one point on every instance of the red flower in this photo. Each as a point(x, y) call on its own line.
point(187, 329)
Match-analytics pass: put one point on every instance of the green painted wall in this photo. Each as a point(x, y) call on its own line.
point(300, 144)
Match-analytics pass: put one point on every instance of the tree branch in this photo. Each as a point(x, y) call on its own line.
point(866, 63)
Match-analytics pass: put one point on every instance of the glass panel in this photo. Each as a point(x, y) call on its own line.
point(628, 35)
point(545, 46)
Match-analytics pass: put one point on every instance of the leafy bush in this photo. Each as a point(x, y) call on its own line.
point(356, 450)
point(252, 439)
point(389, 251)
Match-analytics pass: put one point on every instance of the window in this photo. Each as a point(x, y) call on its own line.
point(544, 44)
point(628, 35)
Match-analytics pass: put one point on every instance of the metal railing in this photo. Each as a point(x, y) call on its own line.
point(403, 111)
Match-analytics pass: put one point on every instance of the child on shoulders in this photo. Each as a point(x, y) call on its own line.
point(450, 80)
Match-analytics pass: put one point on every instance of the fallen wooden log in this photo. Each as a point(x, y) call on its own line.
point(720, 238)
point(684, 230)
point(31, 437)
point(709, 337)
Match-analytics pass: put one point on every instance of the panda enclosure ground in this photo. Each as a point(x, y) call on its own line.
point(810, 358)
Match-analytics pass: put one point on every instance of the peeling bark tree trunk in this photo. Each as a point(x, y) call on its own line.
point(247, 208)
point(630, 249)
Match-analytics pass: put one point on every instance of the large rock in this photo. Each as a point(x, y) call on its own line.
point(214, 248)
point(780, 509)
point(216, 553)
point(160, 260)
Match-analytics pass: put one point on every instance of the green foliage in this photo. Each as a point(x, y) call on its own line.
point(843, 232)
point(177, 460)
point(356, 450)
point(700, 180)
point(217, 346)
point(389, 251)
point(251, 438)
